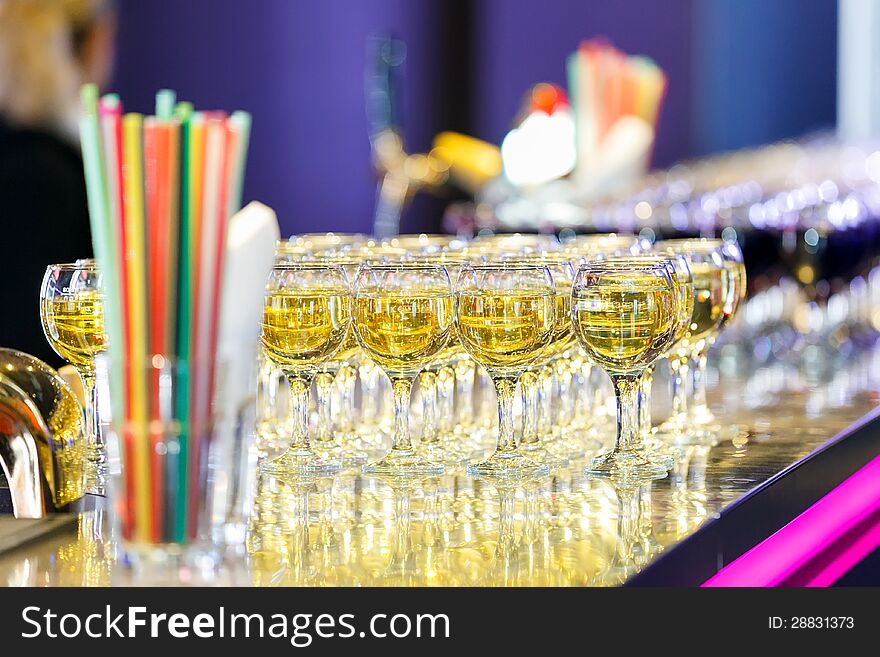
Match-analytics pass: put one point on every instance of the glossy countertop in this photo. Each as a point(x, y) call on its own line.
point(564, 530)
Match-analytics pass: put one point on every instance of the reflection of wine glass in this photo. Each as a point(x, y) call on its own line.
point(505, 316)
point(630, 550)
point(72, 312)
point(625, 314)
point(305, 319)
point(402, 319)
point(278, 533)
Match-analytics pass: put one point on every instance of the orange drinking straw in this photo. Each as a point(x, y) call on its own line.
point(155, 156)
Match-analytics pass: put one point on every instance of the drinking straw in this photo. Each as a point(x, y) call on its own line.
point(191, 237)
point(155, 174)
point(211, 235)
point(170, 135)
point(240, 122)
point(174, 501)
point(165, 99)
point(110, 111)
point(133, 180)
point(104, 232)
point(170, 199)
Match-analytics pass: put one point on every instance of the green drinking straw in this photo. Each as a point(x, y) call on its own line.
point(104, 239)
point(242, 123)
point(165, 99)
point(183, 112)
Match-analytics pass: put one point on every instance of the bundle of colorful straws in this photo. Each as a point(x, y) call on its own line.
point(161, 190)
point(606, 84)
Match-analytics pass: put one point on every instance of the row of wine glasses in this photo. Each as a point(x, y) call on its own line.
point(523, 312)
point(428, 308)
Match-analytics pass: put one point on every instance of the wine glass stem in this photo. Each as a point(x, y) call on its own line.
point(626, 389)
point(504, 389)
point(94, 439)
point(346, 379)
point(299, 409)
point(371, 403)
point(402, 389)
point(678, 377)
point(647, 383)
point(465, 369)
point(700, 359)
point(529, 385)
point(324, 393)
point(566, 406)
point(428, 390)
point(545, 400)
point(446, 398)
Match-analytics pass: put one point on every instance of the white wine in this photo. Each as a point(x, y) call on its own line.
point(505, 331)
point(74, 326)
point(734, 288)
point(304, 328)
point(403, 331)
point(625, 320)
point(708, 300)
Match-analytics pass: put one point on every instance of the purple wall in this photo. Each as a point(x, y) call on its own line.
point(298, 67)
point(739, 73)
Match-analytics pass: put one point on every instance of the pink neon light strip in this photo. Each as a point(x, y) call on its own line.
point(824, 526)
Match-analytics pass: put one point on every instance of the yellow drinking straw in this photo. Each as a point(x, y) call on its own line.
point(134, 230)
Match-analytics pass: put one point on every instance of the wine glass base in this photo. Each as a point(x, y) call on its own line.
point(509, 464)
point(442, 454)
point(628, 466)
point(347, 458)
point(301, 462)
point(540, 454)
point(404, 463)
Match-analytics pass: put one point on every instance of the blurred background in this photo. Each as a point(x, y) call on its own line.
point(740, 73)
point(337, 89)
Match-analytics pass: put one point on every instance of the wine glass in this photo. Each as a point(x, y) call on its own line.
point(506, 316)
point(707, 275)
point(679, 269)
point(402, 318)
point(72, 314)
point(625, 313)
point(305, 319)
point(536, 405)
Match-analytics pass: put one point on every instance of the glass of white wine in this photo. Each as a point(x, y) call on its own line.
point(72, 313)
point(306, 316)
point(402, 319)
point(680, 271)
point(625, 313)
point(707, 276)
point(506, 317)
point(537, 408)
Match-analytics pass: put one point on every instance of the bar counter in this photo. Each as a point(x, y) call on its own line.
point(789, 440)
